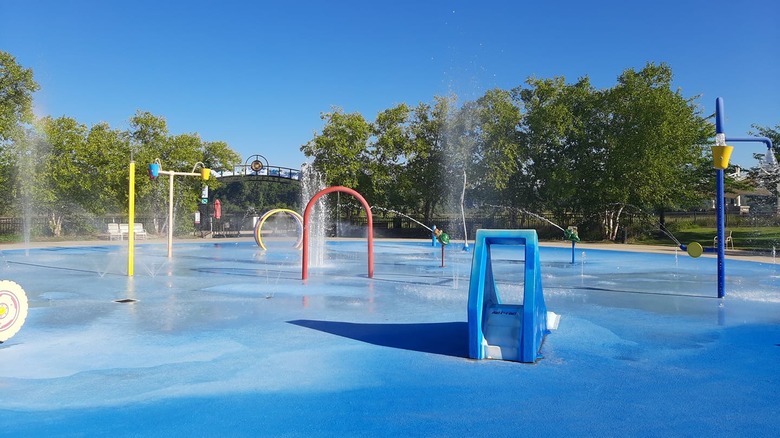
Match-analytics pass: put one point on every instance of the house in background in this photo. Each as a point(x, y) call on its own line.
point(757, 200)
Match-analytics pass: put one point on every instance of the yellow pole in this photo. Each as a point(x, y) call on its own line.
point(131, 222)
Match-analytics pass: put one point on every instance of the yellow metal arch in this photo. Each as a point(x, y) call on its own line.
point(269, 213)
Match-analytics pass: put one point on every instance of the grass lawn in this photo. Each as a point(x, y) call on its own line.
point(755, 239)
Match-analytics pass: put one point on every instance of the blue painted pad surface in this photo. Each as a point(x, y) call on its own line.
point(226, 339)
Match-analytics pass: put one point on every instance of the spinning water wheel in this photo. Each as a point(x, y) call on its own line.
point(13, 309)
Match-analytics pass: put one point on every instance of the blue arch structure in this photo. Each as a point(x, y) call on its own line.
point(506, 331)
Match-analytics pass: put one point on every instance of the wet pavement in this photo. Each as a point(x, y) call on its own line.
point(225, 338)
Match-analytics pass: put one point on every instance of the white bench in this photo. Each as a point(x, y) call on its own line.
point(114, 232)
point(138, 230)
point(120, 231)
point(124, 230)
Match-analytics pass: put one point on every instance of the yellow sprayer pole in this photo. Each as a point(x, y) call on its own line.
point(131, 222)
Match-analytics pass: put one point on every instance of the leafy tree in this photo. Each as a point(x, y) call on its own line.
point(599, 151)
point(498, 148)
point(386, 157)
point(148, 135)
point(151, 141)
point(81, 171)
point(568, 149)
point(241, 195)
point(423, 178)
point(765, 176)
point(218, 156)
point(106, 162)
point(653, 137)
point(558, 135)
point(339, 151)
point(64, 180)
point(16, 88)
point(460, 145)
point(771, 133)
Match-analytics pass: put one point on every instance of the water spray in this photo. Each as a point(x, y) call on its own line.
point(390, 210)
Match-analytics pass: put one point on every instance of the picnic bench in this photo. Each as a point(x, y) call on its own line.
point(120, 231)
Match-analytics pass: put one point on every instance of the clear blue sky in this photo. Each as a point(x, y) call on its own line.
point(258, 74)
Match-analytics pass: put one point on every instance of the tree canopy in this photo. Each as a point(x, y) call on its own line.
point(564, 149)
point(548, 146)
point(16, 88)
point(60, 167)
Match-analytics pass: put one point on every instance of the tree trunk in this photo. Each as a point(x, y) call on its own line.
point(611, 223)
point(55, 224)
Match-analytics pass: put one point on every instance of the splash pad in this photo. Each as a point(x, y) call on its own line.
point(229, 334)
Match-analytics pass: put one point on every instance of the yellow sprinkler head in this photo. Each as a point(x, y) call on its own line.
point(695, 249)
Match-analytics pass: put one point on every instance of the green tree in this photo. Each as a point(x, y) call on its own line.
point(653, 138)
point(498, 155)
point(423, 184)
point(386, 157)
point(148, 135)
point(106, 162)
point(596, 152)
point(764, 175)
point(241, 195)
point(772, 134)
point(151, 141)
point(16, 88)
point(65, 180)
point(498, 147)
point(558, 133)
point(218, 156)
point(461, 138)
point(339, 152)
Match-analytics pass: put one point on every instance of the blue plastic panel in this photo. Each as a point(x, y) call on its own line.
point(484, 296)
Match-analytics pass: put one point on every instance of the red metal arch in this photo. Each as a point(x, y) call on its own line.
point(307, 213)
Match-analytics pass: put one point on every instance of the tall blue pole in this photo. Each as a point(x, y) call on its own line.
point(572, 252)
point(719, 203)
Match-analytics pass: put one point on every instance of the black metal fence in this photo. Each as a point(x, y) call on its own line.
point(76, 225)
point(390, 225)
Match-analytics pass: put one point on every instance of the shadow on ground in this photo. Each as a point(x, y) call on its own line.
point(445, 338)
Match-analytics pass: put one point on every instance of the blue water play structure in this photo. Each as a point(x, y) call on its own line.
point(499, 330)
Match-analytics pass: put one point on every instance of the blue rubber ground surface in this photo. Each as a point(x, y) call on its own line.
point(226, 340)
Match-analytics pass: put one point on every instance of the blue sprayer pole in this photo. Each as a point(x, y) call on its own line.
point(719, 206)
point(572, 252)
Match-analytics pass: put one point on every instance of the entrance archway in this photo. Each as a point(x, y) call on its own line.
point(307, 213)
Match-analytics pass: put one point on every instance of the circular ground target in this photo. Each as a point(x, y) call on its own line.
point(13, 309)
